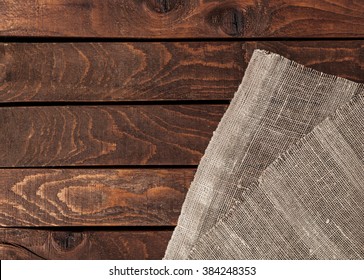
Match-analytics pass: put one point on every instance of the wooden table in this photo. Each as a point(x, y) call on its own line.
point(107, 107)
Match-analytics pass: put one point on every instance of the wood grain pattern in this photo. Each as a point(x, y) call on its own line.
point(182, 19)
point(96, 197)
point(141, 200)
point(153, 71)
point(106, 135)
point(119, 71)
point(32, 244)
point(341, 58)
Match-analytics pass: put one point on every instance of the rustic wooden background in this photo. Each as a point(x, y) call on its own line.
point(106, 107)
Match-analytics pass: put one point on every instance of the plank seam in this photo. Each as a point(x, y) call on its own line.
point(17, 39)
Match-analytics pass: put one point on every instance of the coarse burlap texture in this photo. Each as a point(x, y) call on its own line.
point(250, 201)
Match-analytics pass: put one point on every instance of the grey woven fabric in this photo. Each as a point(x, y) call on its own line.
point(309, 203)
point(277, 103)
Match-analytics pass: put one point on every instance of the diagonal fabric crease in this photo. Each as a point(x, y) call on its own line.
point(248, 190)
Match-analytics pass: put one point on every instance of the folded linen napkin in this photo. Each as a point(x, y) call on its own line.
point(227, 213)
point(308, 204)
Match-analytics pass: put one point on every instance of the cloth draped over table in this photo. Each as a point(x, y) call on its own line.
point(283, 175)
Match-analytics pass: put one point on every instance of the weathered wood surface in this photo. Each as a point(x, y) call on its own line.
point(153, 71)
point(341, 58)
point(119, 71)
point(121, 244)
point(96, 197)
point(182, 19)
point(106, 135)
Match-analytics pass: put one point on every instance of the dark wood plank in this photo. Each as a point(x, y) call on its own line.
point(182, 19)
point(119, 71)
point(30, 244)
point(106, 135)
point(96, 197)
point(153, 71)
point(342, 58)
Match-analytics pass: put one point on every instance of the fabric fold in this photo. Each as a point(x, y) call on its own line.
point(308, 203)
point(277, 103)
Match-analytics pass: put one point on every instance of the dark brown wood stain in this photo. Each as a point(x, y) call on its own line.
point(106, 135)
point(87, 245)
point(51, 72)
point(119, 71)
point(183, 19)
point(93, 197)
point(105, 112)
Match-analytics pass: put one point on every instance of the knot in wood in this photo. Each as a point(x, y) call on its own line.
point(162, 6)
point(230, 20)
point(67, 241)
